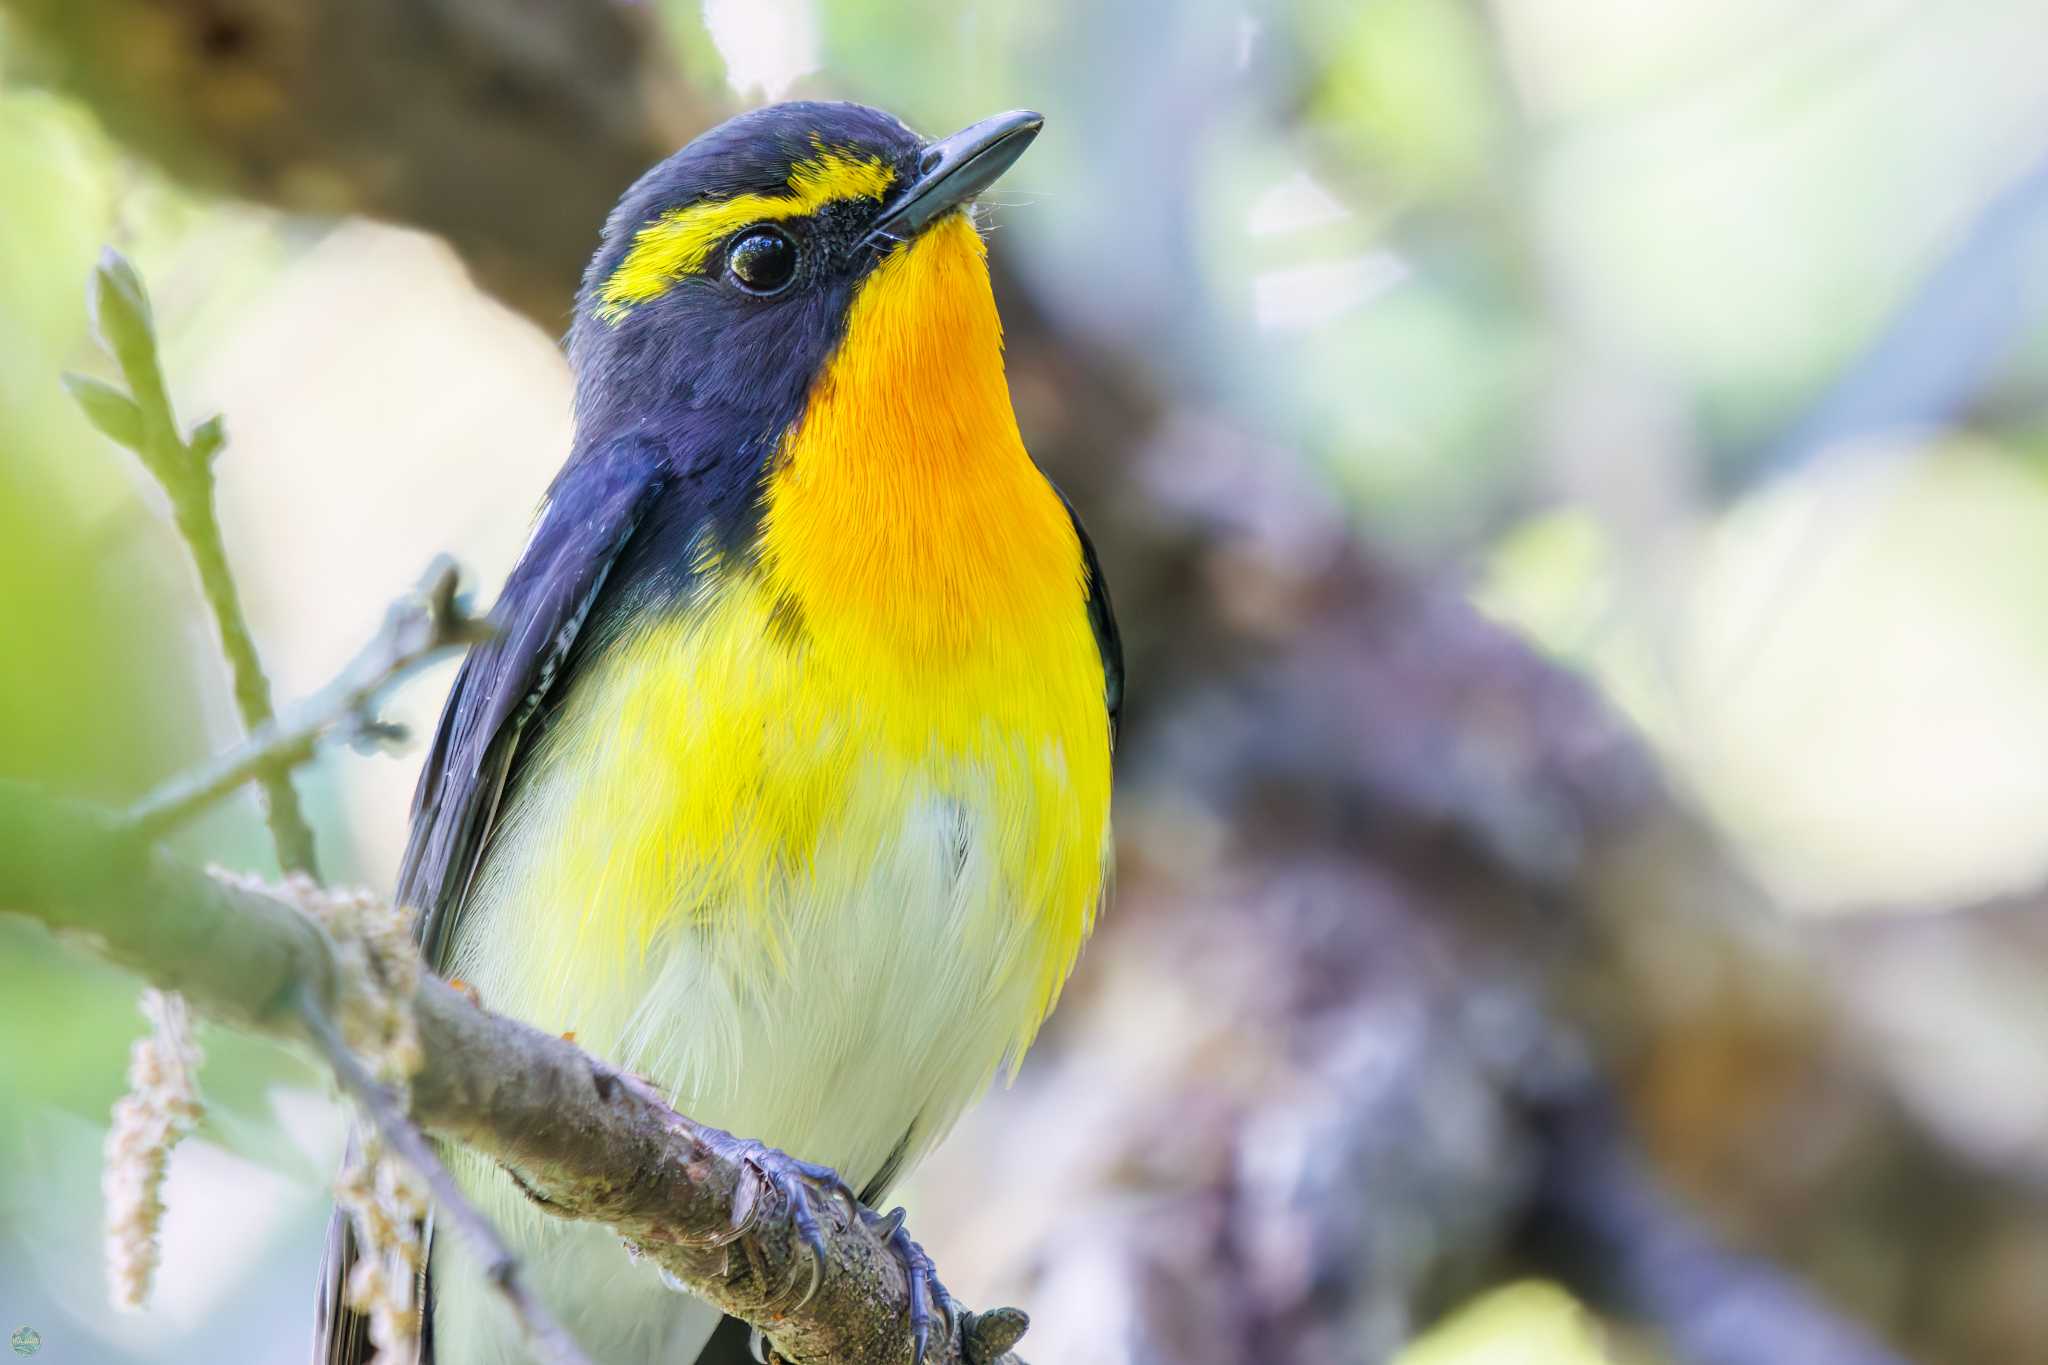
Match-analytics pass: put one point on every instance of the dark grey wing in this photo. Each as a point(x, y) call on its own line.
point(597, 503)
point(592, 512)
point(1102, 616)
point(340, 1337)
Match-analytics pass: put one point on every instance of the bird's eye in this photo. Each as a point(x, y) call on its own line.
point(762, 260)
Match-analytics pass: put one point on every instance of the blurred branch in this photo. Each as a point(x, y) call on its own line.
point(1601, 1212)
point(142, 420)
point(1945, 342)
point(420, 627)
point(391, 109)
point(585, 1140)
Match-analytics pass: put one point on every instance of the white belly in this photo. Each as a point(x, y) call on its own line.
point(887, 1005)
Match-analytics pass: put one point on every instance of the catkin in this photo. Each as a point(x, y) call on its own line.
point(161, 1107)
point(386, 1200)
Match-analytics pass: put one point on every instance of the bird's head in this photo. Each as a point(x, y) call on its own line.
point(729, 273)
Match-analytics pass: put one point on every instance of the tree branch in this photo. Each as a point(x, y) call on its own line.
point(585, 1140)
point(420, 627)
point(581, 97)
point(1633, 1251)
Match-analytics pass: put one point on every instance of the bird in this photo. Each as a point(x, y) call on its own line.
point(784, 780)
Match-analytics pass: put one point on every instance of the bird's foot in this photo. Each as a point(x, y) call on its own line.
point(798, 1182)
point(926, 1292)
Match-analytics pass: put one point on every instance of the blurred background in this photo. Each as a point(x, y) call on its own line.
point(1574, 478)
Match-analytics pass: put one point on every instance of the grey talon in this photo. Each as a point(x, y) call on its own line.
point(817, 1278)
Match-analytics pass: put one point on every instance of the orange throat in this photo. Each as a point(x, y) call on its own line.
point(904, 508)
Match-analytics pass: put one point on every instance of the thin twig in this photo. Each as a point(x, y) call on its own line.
point(143, 420)
point(548, 1339)
point(193, 507)
point(420, 627)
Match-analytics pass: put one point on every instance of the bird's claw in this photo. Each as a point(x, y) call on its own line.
point(796, 1181)
point(923, 1279)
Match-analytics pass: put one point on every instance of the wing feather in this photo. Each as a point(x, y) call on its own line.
point(591, 514)
point(1109, 641)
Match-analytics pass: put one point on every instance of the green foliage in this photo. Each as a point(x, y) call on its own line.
point(141, 419)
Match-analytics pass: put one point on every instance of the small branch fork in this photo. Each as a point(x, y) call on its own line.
point(582, 1139)
point(143, 421)
point(418, 629)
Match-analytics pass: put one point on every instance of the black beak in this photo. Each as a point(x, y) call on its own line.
point(955, 169)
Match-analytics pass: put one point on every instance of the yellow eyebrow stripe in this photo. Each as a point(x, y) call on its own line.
point(681, 240)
